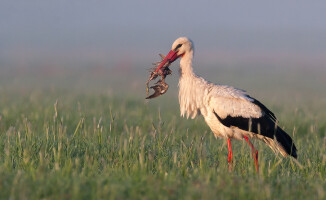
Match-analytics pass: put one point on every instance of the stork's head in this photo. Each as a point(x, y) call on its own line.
point(180, 47)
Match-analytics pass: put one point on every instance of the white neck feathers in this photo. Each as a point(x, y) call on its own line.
point(191, 88)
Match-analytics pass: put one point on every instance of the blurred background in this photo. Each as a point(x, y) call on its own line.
point(74, 122)
point(107, 46)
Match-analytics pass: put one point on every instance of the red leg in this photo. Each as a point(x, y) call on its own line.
point(230, 154)
point(254, 152)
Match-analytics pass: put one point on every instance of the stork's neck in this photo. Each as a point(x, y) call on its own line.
point(186, 64)
point(191, 88)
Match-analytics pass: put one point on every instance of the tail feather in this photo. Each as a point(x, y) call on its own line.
point(286, 142)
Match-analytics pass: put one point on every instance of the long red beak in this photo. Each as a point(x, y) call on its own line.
point(171, 57)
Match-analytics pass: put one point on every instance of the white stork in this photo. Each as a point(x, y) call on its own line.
point(229, 112)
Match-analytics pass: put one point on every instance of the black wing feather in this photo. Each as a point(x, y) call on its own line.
point(263, 107)
point(265, 125)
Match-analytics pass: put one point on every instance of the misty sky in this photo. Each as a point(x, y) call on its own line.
point(113, 30)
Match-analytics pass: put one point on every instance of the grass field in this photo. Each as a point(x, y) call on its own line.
point(89, 136)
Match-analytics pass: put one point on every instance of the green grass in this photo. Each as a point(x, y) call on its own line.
point(63, 144)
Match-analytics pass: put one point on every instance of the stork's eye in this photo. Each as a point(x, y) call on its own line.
point(178, 46)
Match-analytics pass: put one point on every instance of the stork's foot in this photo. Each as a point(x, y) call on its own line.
point(254, 153)
point(256, 160)
point(230, 156)
point(230, 161)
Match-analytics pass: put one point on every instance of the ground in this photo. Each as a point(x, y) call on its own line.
point(76, 136)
